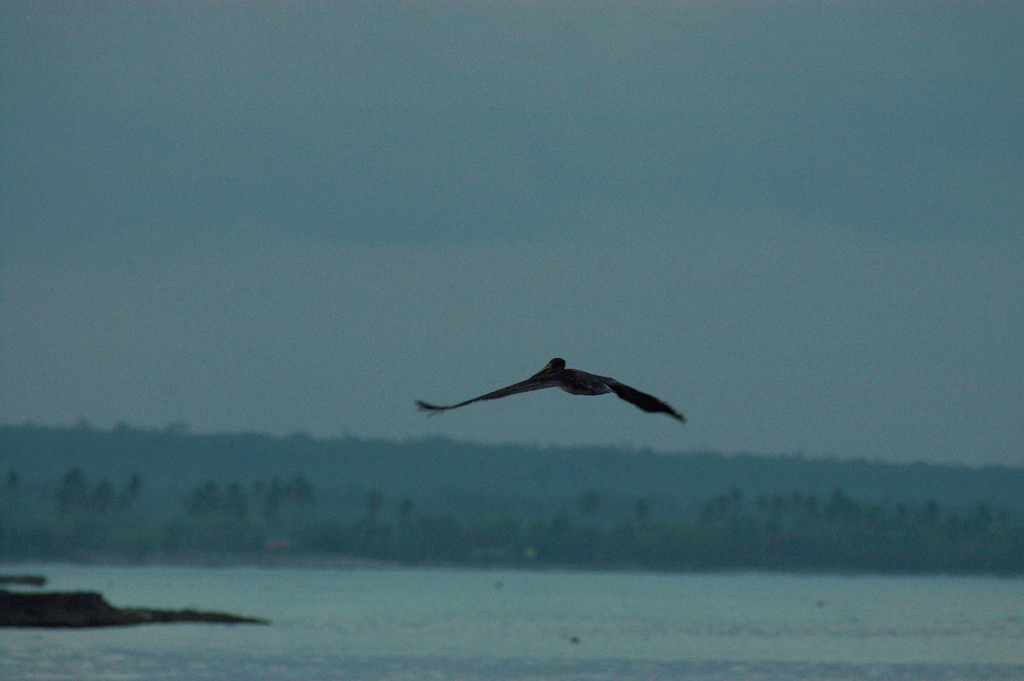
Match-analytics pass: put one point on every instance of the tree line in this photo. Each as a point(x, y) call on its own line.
point(730, 531)
point(174, 458)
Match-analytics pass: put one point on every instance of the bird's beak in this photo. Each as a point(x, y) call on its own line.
point(548, 369)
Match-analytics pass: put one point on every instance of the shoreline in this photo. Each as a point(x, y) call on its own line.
point(86, 609)
point(331, 562)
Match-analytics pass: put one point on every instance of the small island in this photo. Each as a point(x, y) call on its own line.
point(89, 609)
point(24, 580)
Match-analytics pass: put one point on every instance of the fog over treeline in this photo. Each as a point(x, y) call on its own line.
point(257, 498)
point(174, 460)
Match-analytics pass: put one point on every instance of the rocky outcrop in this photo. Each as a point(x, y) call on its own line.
point(25, 580)
point(90, 609)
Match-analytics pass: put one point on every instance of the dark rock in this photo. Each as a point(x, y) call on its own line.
point(27, 580)
point(90, 609)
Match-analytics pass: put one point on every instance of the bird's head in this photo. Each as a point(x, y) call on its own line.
point(555, 365)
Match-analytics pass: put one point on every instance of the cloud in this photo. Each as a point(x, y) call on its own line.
point(430, 125)
point(791, 341)
point(798, 225)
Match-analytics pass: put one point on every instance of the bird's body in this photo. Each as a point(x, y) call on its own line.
point(572, 381)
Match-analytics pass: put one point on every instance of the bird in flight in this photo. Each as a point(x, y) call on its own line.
point(573, 381)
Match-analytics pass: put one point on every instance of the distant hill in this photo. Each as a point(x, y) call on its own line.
point(173, 458)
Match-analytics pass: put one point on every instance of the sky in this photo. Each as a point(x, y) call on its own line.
point(800, 224)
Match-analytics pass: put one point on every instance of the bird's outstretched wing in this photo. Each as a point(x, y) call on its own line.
point(532, 383)
point(642, 400)
point(554, 374)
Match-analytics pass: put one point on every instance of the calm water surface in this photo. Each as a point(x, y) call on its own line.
point(489, 625)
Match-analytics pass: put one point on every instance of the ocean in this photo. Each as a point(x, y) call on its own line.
point(489, 625)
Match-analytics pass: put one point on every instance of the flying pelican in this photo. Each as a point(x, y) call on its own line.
point(573, 381)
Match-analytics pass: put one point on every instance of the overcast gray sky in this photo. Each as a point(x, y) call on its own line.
point(800, 224)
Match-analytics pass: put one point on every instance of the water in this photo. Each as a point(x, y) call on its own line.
point(440, 624)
